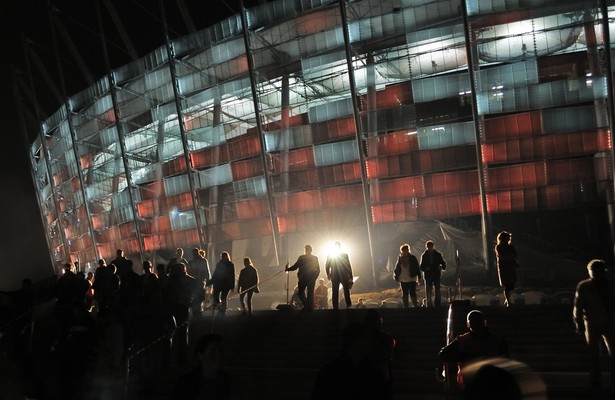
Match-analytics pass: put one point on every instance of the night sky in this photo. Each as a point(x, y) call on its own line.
point(22, 242)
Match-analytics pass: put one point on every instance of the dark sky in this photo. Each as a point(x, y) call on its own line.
point(22, 241)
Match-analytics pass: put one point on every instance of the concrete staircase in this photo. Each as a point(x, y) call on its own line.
point(276, 354)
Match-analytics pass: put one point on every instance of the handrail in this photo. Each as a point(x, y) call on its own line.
point(446, 379)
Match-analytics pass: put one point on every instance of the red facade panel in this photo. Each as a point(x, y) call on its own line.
point(513, 126)
point(299, 202)
point(451, 183)
point(247, 168)
point(236, 230)
point(401, 211)
point(507, 201)
point(341, 173)
point(250, 209)
point(546, 146)
point(392, 166)
point(571, 171)
point(327, 131)
point(160, 224)
point(174, 166)
point(210, 156)
point(342, 196)
point(392, 143)
point(108, 235)
point(296, 159)
point(517, 176)
point(447, 158)
point(398, 189)
point(128, 231)
point(244, 146)
point(298, 180)
point(392, 96)
point(449, 206)
point(147, 208)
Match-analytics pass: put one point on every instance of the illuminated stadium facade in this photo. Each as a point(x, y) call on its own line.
point(328, 119)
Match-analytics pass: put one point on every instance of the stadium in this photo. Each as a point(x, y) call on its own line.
point(372, 122)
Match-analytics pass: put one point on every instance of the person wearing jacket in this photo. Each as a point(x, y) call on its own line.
point(408, 274)
point(222, 281)
point(339, 271)
point(308, 270)
point(592, 313)
point(247, 285)
point(432, 265)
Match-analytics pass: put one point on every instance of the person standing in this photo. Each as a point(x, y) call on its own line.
point(321, 294)
point(198, 268)
point(508, 267)
point(339, 271)
point(308, 270)
point(247, 285)
point(223, 281)
point(594, 305)
point(408, 274)
point(432, 265)
point(122, 264)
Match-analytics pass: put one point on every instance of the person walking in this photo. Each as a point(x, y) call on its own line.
point(198, 268)
point(223, 281)
point(308, 271)
point(247, 285)
point(508, 267)
point(593, 307)
point(339, 271)
point(408, 273)
point(432, 265)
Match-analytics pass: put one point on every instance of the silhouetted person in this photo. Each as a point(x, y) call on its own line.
point(163, 276)
point(381, 344)
point(432, 265)
point(180, 295)
point(352, 374)
point(67, 295)
point(122, 264)
point(321, 294)
point(223, 281)
point(208, 380)
point(508, 267)
point(339, 271)
point(476, 344)
point(149, 279)
point(178, 259)
point(407, 272)
point(198, 268)
point(594, 305)
point(308, 269)
point(247, 285)
point(106, 285)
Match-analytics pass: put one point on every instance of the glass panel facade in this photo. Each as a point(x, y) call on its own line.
point(308, 121)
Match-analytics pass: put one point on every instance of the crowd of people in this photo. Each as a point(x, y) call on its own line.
point(114, 314)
